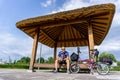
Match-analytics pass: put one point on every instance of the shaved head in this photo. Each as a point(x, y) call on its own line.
point(63, 49)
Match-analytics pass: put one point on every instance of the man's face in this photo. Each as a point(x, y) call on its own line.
point(63, 49)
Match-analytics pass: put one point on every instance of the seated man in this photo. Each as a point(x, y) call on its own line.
point(63, 58)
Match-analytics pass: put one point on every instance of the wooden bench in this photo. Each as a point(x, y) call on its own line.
point(44, 65)
point(82, 66)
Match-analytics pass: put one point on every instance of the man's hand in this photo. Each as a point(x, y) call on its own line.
point(67, 58)
point(59, 58)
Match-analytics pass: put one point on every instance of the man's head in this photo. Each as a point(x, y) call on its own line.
point(63, 49)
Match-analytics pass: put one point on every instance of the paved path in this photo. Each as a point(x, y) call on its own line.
point(111, 76)
point(13, 74)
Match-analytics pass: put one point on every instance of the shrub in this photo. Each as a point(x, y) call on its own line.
point(15, 66)
point(117, 68)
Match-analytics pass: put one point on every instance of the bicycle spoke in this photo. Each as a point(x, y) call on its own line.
point(103, 69)
point(74, 68)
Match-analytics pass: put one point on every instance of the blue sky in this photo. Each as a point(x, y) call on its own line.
point(16, 44)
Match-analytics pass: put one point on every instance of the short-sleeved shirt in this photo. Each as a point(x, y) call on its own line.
point(63, 55)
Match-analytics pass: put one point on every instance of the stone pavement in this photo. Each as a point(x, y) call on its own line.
point(14, 74)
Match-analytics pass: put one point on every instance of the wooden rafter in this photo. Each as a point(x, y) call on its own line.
point(62, 23)
point(72, 40)
point(47, 36)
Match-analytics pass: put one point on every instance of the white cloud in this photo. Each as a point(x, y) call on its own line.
point(110, 45)
point(116, 22)
point(11, 44)
point(17, 47)
point(48, 3)
point(102, 1)
point(72, 4)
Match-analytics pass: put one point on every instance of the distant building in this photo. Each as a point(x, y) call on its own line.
point(114, 64)
point(2, 62)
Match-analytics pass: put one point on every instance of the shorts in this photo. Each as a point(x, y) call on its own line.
point(62, 62)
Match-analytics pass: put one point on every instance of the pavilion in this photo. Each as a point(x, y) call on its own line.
point(86, 26)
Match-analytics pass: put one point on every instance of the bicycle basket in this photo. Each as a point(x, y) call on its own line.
point(74, 57)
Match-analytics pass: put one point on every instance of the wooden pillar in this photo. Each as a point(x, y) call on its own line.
point(55, 51)
point(34, 50)
point(90, 39)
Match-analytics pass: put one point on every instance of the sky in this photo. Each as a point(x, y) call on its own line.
point(15, 44)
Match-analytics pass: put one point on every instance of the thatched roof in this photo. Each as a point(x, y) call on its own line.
point(70, 28)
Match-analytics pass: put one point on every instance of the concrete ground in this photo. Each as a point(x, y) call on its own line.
point(14, 74)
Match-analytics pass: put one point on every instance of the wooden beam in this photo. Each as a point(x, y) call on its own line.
point(34, 50)
point(90, 39)
point(55, 51)
point(47, 35)
point(55, 24)
point(71, 40)
point(62, 23)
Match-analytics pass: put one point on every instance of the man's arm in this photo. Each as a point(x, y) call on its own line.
point(59, 58)
point(67, 56)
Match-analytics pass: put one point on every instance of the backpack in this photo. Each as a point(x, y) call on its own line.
point(109, 60)
point(106, 60)
point(96, 52)
point(74, 57)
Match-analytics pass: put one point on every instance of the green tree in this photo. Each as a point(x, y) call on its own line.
point(107, 55)
point(118, 63)
point(24, 60)
point(14, 62)
point(42, 60)
point(50, 60)
point(10, 60)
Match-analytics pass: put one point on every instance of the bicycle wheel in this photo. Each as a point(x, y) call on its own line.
point(103, 69)
point(74, 67)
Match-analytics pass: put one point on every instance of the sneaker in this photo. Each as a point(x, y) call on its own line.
point(91, 73)
point(68, 71)
point(55, 71)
